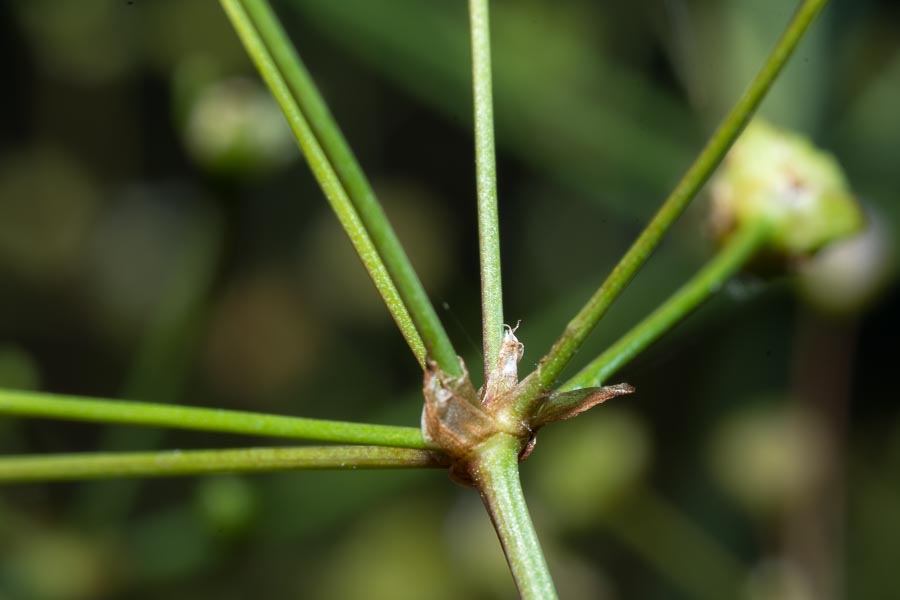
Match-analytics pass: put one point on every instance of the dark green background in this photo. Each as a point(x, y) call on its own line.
point(160, 239)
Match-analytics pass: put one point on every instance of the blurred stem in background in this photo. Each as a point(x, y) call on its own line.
point(814, 530)
point(164, 358)
point(163, 361)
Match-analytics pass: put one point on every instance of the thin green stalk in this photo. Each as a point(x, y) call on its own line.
point(76, 408)
point(342, 180)
point(173, 463)
point(739, 249)
point(496, 474)
point(583, 323)
point(486, 177)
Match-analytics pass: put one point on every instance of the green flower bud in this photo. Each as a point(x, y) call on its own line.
point(774, 175)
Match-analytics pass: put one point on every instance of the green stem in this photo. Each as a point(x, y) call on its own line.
point(486, 177)
point(75, 408)
point(171, 463)
point(496, 475)
point(739, 249)
point(583, 323)
point(343, 181)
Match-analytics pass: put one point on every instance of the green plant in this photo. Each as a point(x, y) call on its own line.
point(479, 435)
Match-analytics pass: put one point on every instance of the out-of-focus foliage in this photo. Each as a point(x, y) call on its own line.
point(848, 276)
point(160, 240)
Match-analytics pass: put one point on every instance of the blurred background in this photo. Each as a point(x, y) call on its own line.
point(162, 240)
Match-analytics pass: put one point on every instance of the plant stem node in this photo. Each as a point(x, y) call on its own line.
point(458, 419)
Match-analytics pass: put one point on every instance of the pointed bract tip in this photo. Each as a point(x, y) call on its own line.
point(565, 405)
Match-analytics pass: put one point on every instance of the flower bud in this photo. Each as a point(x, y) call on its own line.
point(774, 175)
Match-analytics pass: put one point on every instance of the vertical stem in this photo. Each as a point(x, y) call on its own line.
point(815, 528)
point(486, 177)
point(496, 474)
point(731, 126)
point(739, 249)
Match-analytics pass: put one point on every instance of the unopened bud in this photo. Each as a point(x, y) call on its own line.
point(780, 177)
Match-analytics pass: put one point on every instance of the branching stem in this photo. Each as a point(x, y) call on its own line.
point(739, 249)
point(583, 323)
